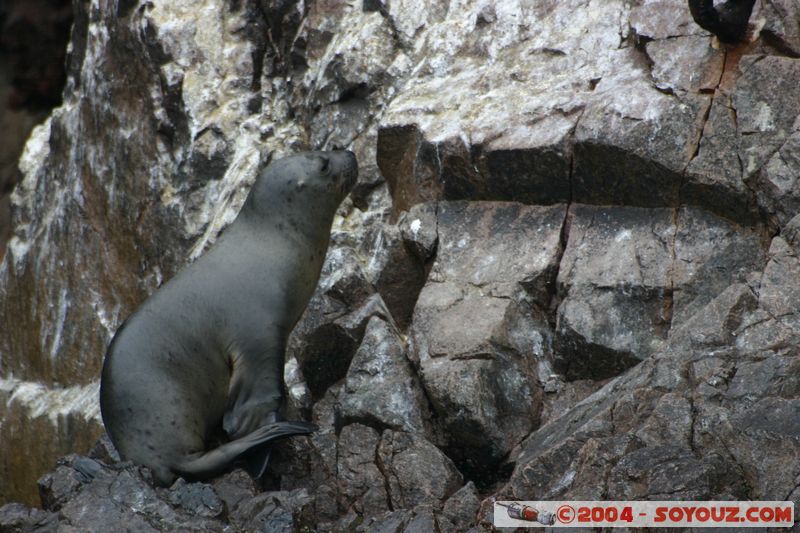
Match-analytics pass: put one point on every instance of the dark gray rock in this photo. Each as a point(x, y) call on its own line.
point(280, 511)
point(561, 396)
point(381, 388)
point(19, 518)
point(196, 498)
point(498, 247)
point(623, 155)
point(778, 30)
point(670, 421)
point(331, 328)
point(57, 487)
point(104, 450)
point(715, 175)
point(615, 281)
point(86, 468)
point(313, 462)
point(390, 521)
point(419, 227)
point(416, 471)
point(397, 274)
point(462, 507)
point(234, 488)
point(768, 145)
point(760, 438)
point(628, 276)
point(361, 482)
point(711, 253)
point(411, 166)
point(662, 19)
point(123, 497)
point(776, 297)
point(680, 424)
point(424, 521)
point(126, 498)
point(763, 88)
point(672, 472)
point(480, 380)
point(717, 324)
point(776, 181)
point(684, 63)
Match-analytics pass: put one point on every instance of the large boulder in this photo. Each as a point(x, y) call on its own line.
point(483, 388)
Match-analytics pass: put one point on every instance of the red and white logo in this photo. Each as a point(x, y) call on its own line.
point(644, 514)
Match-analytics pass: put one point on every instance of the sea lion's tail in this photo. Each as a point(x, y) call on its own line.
point(253, 448)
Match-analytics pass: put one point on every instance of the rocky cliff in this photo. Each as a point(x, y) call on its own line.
point(569, 269)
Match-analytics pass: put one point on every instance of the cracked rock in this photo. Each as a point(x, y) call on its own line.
point(671, 472)
point(418, 226)
point(711, 253)
point(778, 29)
point(631, 275)
point(331, 328)
point(462, 507)
point(617, 291)
point(361, 482)
point(381, 387)
point(764, 87)
point(482, 390)
point(777, 297)
point(397, 274)
point(416, 471)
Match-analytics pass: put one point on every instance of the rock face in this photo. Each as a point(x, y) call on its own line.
point(569, 269)
point(33, 45)
point(494, 263)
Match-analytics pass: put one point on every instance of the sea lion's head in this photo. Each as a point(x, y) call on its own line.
point(317, 181)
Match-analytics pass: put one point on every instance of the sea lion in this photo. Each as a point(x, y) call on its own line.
point(200, 362)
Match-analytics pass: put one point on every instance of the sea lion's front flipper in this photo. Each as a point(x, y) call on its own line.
point(214, 462)
point(256, 393)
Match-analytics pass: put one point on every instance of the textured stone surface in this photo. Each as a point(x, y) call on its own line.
point(615, 282)
point(629, 275)
point(778, 29)
point(86, 495)
point(489, 255)
point(416, 472)
point(678, 422)
point(32, 55)
point(17, 517)
point(381, 387)
point(711, 253)
point(329, 332)
point(362, 482)
point(569, 269)
point(460, 508)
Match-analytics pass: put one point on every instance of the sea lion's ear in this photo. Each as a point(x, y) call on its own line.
point(324, 164)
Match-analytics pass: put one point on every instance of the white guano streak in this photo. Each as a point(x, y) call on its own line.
point(39, 400)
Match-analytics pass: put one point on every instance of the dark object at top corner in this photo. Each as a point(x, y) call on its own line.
point(33, 49)
point(728, 21)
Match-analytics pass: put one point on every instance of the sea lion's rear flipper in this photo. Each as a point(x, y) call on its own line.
point(213, 462)
point(256, 461)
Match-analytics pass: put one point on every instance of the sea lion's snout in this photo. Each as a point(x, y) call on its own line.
point(348, 168)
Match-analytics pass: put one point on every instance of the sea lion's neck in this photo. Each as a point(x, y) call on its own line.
point(299, 224)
